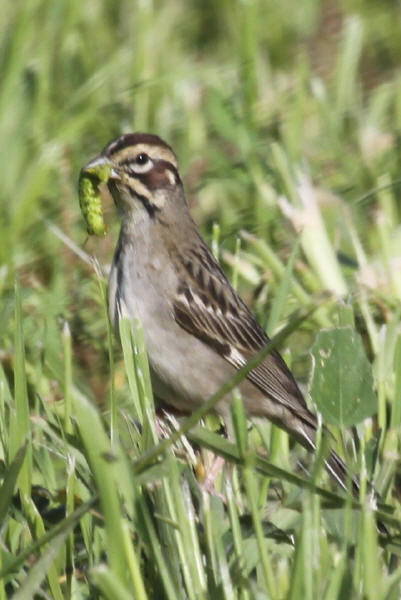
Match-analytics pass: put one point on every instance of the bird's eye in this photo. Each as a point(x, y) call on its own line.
point(142, 159)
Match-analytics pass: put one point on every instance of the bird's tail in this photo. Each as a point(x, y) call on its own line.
point(338, 470)
point(341, 474)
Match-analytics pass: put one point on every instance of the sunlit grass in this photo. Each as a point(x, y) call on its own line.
point(285, 119)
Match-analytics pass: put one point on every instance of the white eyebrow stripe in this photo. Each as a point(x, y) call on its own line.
point(154, 152)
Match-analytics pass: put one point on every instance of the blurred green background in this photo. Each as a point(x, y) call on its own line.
point(286, 119)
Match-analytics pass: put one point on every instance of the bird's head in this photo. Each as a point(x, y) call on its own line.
point(144, 174)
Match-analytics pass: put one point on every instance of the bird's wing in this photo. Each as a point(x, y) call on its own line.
point(208, 307)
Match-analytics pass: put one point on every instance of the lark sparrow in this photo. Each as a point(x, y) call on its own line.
point(198, 330)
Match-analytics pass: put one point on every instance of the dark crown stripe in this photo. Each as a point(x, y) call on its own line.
point(132, 139)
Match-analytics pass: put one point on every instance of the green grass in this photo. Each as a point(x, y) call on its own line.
point(285, 118)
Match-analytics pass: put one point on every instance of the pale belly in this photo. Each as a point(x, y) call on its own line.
point(185, 371)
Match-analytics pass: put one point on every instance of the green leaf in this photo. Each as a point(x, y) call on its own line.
point(109, 583)
point(12, 564)
point(20, 425)
point(342, 381)
point(39, 571)
point(8, 485)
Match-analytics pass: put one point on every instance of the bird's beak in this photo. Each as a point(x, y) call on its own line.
point(103, 168)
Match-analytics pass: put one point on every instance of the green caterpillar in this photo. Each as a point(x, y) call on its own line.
point(89, 197)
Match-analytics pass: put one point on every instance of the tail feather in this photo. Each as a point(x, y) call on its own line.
point(340, 473)
point(338, 470)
